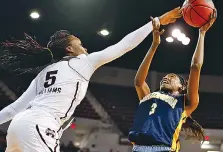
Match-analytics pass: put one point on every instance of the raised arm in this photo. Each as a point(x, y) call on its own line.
point(141, 86)
point(20, 104)
point(131, 41)
point(196, 64)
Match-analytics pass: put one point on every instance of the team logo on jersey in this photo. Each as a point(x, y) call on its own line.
point(50, 132)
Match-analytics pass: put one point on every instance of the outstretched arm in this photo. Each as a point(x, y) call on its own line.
point(20, 104)
point(196, 64)
point(141, 86)
point(131, 41)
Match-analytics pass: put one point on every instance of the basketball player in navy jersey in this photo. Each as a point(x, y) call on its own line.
point(160, 115)
point(39, 115)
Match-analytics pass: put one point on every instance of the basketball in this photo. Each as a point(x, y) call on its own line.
point(197, 13)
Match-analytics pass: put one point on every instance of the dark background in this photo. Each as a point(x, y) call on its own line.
point(84, 18)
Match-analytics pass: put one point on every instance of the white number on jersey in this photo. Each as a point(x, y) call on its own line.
point(153, 108)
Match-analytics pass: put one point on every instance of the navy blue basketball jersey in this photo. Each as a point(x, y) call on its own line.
point(158, 120)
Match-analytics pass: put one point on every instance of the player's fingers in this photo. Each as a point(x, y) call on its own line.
point(213, 17)
point(152, 19)
point(161, 32)
point(178, 15)
point(180, 10)
point(210, 23)
point(177, 8)
point(153, 22)
point(156, 25)
point(156, 32)
point(210, 16)
point(215, 13)
point(213, 20)
point(172, 20)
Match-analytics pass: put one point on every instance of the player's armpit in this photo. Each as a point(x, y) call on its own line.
point(142, 90)
point(7, 114)
point(20, 104)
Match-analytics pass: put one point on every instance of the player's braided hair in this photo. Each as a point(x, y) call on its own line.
point(27, 54)
point(58, 42)
point(183, 82)
point(193, 130)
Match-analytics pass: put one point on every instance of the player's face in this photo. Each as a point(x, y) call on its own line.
point(75, 47)
point(170, 82)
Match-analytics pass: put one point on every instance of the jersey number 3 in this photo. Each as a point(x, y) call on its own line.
point(50, 78)
point(153, 108)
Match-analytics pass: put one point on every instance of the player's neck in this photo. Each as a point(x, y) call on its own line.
point(175, 93)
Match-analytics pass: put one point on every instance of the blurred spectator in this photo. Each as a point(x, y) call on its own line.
point(85, 150)
point(69, 148)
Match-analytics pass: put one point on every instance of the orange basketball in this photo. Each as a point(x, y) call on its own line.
point(197, 13)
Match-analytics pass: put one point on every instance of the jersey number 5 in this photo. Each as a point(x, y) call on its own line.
point(153, 108)
point(50, 78)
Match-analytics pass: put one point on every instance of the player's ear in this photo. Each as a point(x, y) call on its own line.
point(69, 49)
point(181, 88)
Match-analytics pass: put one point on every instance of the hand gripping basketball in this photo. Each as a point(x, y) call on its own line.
point(211, 21)
point(196, 13)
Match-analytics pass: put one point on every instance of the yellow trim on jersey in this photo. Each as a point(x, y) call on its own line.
point(177, 131)
point(178, 146)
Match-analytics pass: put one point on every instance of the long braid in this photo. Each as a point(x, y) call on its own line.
point(21, 56)
point(28, 44)
point(16, 55)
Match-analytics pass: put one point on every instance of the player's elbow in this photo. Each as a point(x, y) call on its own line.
point(194, 104)
point(138, 82)
point(193, 101)
point(196, 65)
point(191, 107)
